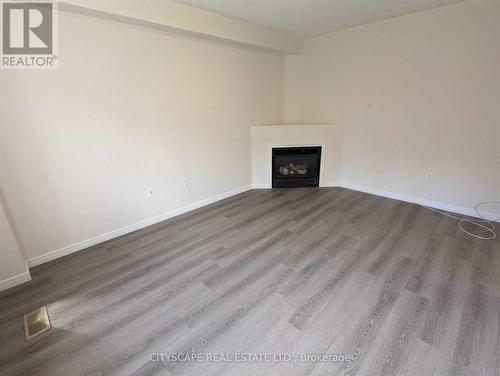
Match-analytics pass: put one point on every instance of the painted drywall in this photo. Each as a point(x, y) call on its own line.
point(293, 101)
point(190, 20)
point(265, 137)
point(416, 94)
point(128, 108)
point(12, 266)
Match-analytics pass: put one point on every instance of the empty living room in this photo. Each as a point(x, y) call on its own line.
point(250, 187)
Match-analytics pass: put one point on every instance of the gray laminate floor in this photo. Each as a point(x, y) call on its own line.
point(393, 286)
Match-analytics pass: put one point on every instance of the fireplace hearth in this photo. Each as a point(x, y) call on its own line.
point(296, 166)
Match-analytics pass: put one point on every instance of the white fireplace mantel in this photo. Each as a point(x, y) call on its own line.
point(265, 137)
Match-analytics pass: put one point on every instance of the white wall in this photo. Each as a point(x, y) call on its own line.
point(127, 108)
point(12, 267)
point(131, 107)
point(415, 94)
point(294, 94)
point(172, 16)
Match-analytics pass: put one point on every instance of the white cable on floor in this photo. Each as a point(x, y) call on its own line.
point(483, 223)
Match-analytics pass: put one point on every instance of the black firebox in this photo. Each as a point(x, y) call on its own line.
point(296, 166)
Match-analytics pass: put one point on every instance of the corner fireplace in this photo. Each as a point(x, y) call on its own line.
point(296, 166)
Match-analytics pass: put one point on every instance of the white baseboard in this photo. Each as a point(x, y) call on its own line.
point(130, 228)
point(14, 281)
point(261, 186)
point(148, 222)
point(329, 184)
point(419, 201)
point(401, 197)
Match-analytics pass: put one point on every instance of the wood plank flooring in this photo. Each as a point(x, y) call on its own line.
point(395, 287)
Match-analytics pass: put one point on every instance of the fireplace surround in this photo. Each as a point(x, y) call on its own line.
point(296, 166)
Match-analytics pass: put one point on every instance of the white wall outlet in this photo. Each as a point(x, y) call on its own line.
point(149, 192)
point(185, 183)
point(428, 177)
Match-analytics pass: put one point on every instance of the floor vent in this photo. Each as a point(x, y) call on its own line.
point(36, 322)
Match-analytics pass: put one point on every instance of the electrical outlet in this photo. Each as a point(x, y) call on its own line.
point(149, 192)
point(428, 177)
point(185, 183)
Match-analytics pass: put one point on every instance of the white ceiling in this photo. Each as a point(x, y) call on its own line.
point(309, 18)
